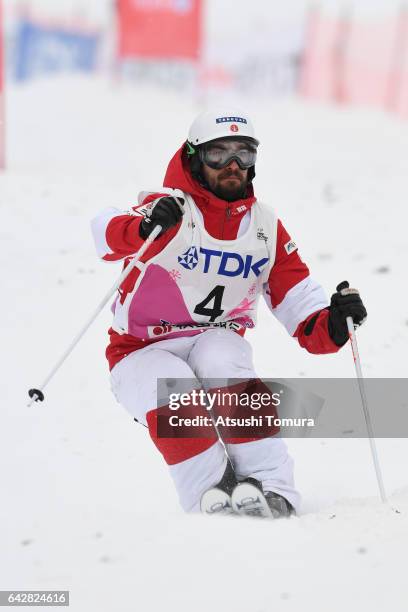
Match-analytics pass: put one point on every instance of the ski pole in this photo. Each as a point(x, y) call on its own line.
point(37, 394)
point(357, 363)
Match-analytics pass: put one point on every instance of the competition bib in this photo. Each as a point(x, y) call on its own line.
point(198, 282)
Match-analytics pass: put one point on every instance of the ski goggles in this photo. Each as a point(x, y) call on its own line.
point(219, 153)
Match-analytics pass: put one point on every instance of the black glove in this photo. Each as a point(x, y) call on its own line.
point(167, 212)
point(345, 303)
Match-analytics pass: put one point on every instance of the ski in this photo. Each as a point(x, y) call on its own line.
point(248, 500)
point(216, 501)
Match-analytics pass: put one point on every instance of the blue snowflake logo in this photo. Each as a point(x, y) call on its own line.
point(189, 259)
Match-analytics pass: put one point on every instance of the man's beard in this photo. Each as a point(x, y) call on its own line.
point(230, 191)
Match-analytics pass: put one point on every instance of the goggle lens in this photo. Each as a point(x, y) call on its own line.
point(219, 155)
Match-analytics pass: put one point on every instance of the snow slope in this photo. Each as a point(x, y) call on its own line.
point(86, 501)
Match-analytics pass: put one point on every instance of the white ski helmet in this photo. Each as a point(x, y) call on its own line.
point(220, 123)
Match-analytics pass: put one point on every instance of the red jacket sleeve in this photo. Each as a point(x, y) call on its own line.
point(313, 334)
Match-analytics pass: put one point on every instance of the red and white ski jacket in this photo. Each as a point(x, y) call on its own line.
point(293, 297)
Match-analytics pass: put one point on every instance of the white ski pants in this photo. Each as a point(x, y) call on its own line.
point(213, 354)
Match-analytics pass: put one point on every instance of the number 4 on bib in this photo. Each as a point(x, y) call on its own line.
point(216, 311)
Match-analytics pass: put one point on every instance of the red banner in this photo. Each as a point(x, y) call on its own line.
point(159, 28)
point(355, 62)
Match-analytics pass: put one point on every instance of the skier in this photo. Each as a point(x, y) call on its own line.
point(183, 311)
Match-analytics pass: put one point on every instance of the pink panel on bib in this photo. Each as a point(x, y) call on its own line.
point(157, 299)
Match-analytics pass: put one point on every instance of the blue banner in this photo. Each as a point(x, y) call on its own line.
point(41, 50)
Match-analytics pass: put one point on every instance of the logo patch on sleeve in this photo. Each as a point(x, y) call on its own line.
point(290, 247)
